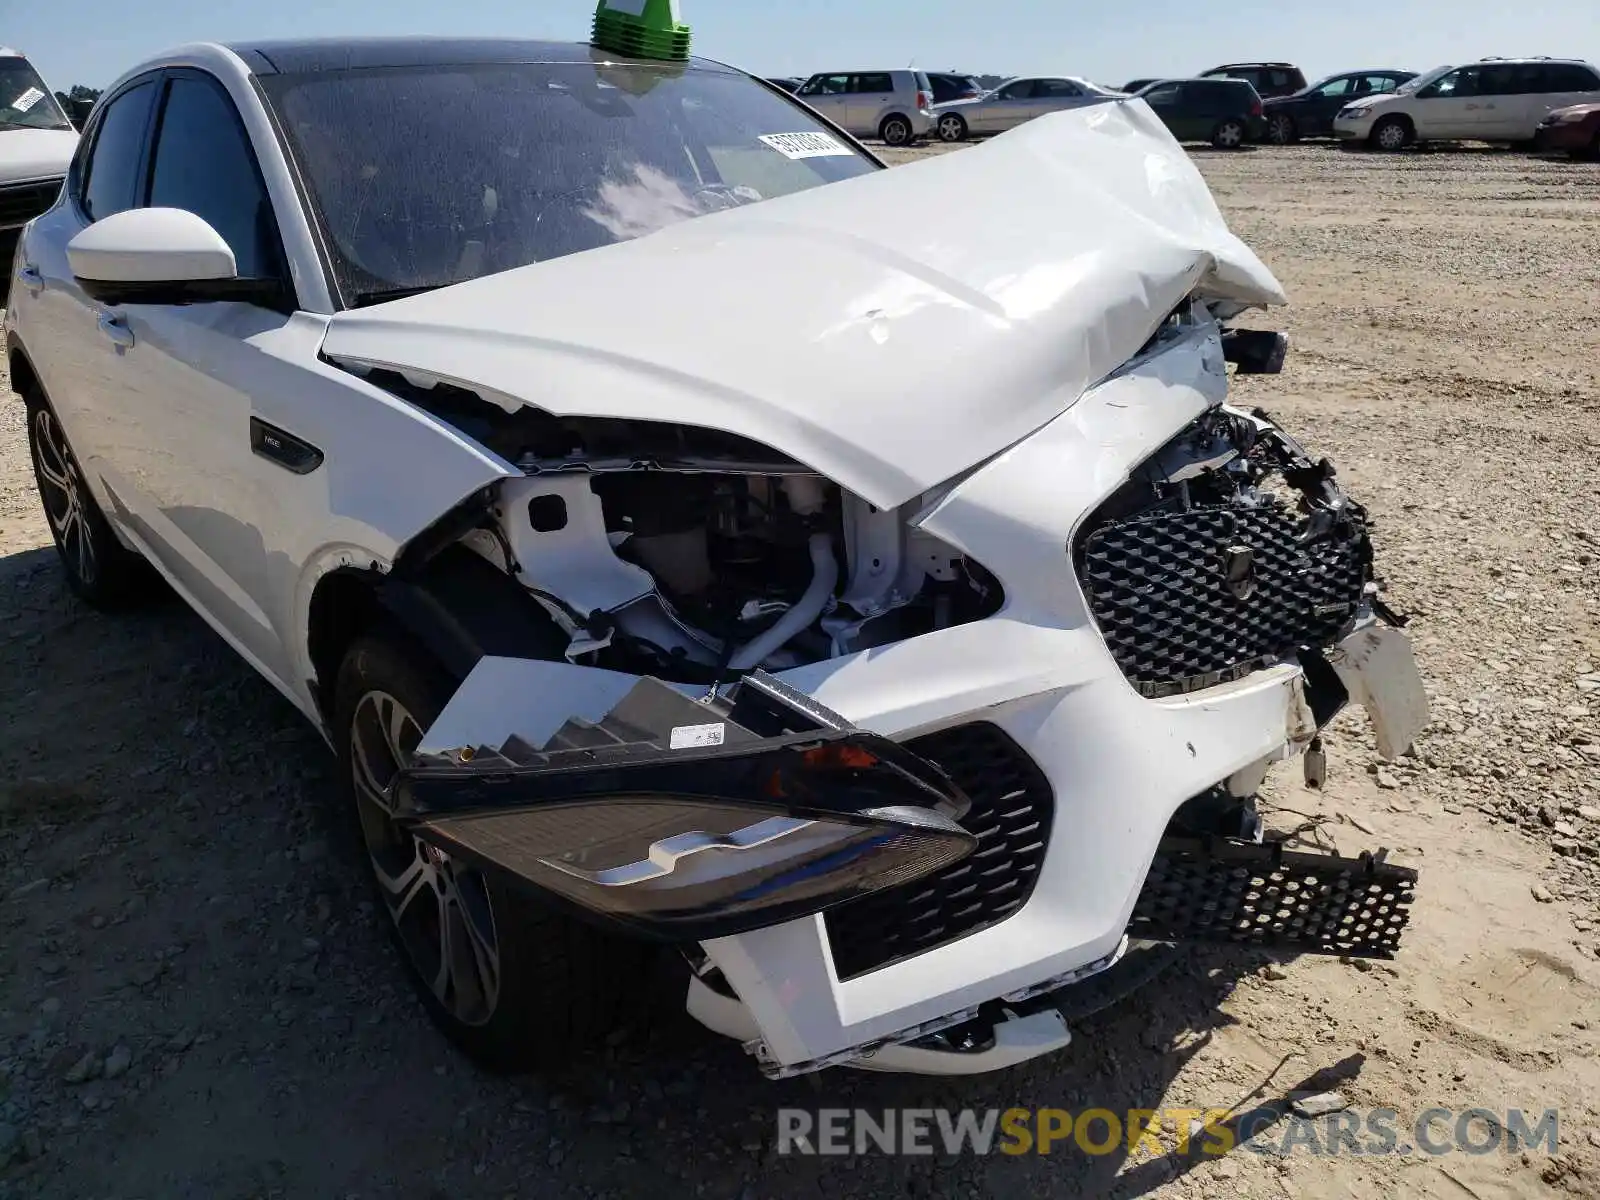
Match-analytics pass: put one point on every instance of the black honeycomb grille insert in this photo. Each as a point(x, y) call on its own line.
point(22, 202)
point(1158, 588)
point(1012, 805)
point(1262, 895)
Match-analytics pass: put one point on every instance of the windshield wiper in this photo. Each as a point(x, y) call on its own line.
point(384, 295)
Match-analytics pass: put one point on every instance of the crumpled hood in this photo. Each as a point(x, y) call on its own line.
point(27, 154)
point(889, 331)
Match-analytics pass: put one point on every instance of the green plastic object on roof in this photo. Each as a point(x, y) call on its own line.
point(641, 29)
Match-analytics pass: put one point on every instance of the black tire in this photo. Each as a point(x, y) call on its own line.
point(99, 569)
point(1282, 130)
point(1229, 134)
point(549, 986)
point(1591, 153)
point(1391, 134)
point(952, 127)
point(895, 130)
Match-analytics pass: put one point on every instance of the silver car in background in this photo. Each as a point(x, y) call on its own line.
point(1013, 102)
point(893, 105)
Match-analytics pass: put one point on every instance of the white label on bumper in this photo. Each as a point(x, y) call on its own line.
point(689, 737)
point(1380, 671)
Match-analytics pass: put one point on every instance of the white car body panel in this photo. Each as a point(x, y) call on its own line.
point(29, 154)
point(825, 323)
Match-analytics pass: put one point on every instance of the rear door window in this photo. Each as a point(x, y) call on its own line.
point(1021, 90)
point(874, 83)
point(1376, 84)
point(111, 179)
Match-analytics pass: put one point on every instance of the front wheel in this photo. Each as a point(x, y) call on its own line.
point(513, 982)
point(100, 570)
point(895, 131)
point(952, 128)
point(1391, 134)
point(1228, 135)
point(1282, 130)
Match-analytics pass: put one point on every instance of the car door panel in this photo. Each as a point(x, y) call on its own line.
point(1008, 108)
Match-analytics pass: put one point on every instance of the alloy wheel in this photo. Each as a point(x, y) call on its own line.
point(440, 907)
point(62, 489)
point(952, 129)
point(1282, 129)
point(896, 132)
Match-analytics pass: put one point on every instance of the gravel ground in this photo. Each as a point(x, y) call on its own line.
point(195, 999)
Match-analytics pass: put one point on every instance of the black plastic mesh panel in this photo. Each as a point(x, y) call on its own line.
point(25, 201)
point(1010, 815)
point(1260, 895)
point(1157, 589)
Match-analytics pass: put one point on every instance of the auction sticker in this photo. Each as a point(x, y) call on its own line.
point(806, 145)
point(27, 100)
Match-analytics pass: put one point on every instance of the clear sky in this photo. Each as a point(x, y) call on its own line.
point(92, 41)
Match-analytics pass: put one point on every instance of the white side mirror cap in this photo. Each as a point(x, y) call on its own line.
point(151, 246)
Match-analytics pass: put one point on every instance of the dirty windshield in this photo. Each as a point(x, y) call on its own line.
point(25, 102)
point(423, 177)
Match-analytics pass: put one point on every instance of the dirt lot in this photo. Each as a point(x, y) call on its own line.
point(178, 924)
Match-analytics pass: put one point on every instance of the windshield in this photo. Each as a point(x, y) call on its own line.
point(422, 177)
point(25, 102)
point(1422, 80)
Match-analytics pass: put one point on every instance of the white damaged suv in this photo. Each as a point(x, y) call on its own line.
point(884, 614)
point(36, 144)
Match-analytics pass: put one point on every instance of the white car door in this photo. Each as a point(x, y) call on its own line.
point(71, 338)
point(200, 501)
point(1450, 106)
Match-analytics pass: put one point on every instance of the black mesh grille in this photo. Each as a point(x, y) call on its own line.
point(1158, 587)
point(1263, 895)
point(25, 201)
point(1010, 815)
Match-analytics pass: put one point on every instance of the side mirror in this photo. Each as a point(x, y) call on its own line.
point(159, 256)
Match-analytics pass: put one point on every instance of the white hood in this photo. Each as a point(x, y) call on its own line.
point(35, 154)
point(889, 331)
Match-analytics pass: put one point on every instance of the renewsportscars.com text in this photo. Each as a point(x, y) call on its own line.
point(1149, 1132)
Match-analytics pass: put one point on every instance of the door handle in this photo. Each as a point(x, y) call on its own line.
point(115, 327)
point(31, 278)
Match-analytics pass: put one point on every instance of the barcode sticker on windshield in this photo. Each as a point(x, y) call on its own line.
point(806, 145)
point(27, 100)
point(689, 737)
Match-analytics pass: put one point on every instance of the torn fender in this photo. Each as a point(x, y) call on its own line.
point(680, 819)
point(889, 331)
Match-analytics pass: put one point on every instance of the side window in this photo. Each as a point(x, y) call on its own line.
point(203, 163)
point(1456, 84)
point(1280, 79)
point(1375, 84)
point(1569, 77)
point(111, 182)
point(1021, 90)
point(1339, 87)
point(874, 83)
point(826, 85)
point(1166, 94)
point(1056, 89)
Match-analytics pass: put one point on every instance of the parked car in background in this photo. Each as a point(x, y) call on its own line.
point(1575, 129)
point(36, 145)
point(948, 87)
point(1268, 79)
point(1310, 111)
point(787, 83)
point(1012, 103)
point(893, 105)
point(1135, 85)
point(1224, 112)
point(1492, 100)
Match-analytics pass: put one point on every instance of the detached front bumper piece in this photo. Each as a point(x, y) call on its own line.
point(688, 819)
point(1211, 889)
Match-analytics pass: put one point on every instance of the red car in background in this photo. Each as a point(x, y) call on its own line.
point(1575, 129)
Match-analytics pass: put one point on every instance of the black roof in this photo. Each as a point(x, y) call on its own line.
point(336, 54)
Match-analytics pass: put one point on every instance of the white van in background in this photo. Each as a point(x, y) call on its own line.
point(36, 144)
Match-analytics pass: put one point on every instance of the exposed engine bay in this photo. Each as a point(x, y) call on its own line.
point(695, 555)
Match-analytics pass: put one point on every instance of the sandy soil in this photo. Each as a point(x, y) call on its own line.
point(175, 913)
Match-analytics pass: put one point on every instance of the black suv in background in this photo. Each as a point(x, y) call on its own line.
point(1268, 79)
point(1224, 112)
